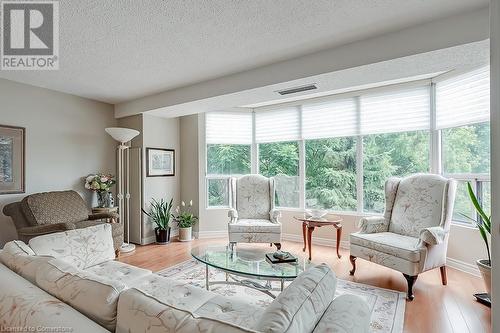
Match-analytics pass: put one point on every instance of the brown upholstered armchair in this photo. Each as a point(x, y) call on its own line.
point(48, 212)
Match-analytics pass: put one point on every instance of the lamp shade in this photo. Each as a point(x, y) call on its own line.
point(122, 134)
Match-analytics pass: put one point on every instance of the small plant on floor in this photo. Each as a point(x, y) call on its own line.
point(160, 214)
point(483, 224)
point(185, 220)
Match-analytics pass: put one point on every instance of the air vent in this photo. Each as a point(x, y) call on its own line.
point(297, 89)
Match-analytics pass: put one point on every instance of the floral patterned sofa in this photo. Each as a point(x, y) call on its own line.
point(70, 280)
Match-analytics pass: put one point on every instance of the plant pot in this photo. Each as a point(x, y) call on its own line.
point(485, 270)
point(162, 236)
point(185, 234)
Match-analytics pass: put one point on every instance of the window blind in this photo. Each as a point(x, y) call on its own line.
point(277, 125)
point(336, 118)
point(398, 110)
point(463, 99)
point(228, 127)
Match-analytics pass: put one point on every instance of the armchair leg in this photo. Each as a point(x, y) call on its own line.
point(411, 281)
point(444, 278)
point(352, 259)
point(278, 246)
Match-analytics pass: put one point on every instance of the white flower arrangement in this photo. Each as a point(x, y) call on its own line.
point(99, 182)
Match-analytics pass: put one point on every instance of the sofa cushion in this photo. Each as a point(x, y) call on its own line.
point(83, 248)
point(400, 246)
point(255, 225)
point(119, 271)
point(54, 207)
point(300, 306)
point(21, 259)
point(418, 204)
point(346, 313)
point(172, 306)
point(24, 305)
point(93, 295)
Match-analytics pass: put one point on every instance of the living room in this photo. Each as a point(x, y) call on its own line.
point(175, 155)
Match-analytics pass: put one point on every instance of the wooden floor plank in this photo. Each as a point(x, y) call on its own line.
point(436, 308)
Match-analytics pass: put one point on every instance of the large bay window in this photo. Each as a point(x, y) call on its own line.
point(336, 152)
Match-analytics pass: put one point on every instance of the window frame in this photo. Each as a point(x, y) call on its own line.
point(435, 150)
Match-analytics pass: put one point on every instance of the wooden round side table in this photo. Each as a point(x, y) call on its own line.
point(310, 223)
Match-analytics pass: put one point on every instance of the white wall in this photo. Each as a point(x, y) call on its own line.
point(495, 159)
point(160, 133)
point(65, 140)
point(189, 162)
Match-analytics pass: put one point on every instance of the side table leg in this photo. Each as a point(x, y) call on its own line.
point(304, 227)
point(206, 277)
point(309, 237)
point(339, 236)
point(282, 284)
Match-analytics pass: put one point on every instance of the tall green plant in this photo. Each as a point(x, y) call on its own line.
point(484, 223)
point(159, 213)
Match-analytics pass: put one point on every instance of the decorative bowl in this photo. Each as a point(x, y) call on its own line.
point(316, 213)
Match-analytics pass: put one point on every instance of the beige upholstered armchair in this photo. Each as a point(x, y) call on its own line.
point(44, 213)
point(253, 217)
point(412, 235)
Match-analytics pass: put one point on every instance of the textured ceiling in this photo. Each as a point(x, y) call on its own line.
point(115, 51)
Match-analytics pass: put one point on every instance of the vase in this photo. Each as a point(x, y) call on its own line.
point(485, 270)
point(110, 200)
point(162, 236)
point(185, 234)
point(102, 198)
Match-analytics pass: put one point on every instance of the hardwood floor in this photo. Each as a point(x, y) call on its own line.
point(436, 308)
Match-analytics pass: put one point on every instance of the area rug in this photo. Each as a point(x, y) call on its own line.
point(388, 306)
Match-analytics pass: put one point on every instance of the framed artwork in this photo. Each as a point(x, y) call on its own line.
point(12, 159)
point(161, 162)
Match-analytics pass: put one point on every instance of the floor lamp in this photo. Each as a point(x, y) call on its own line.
point(123, 135)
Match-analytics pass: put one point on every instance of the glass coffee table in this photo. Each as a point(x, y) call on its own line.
point(244, 266)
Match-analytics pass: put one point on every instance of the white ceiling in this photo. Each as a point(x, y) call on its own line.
point(114, 51)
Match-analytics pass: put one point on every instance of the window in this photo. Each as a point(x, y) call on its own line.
point(229, 139)
point(462, 116)
point(466, 149)
point(331, 174)
point(281, 161)
point(386, 155)
point(336, 152)
point(218, 192)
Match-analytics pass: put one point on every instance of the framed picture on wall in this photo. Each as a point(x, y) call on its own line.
point(161, 162)
point(12, 152)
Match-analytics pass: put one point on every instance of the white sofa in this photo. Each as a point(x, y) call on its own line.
point(70, 280)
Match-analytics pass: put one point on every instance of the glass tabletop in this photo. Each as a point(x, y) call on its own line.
point(249, 262)
point(328, 218)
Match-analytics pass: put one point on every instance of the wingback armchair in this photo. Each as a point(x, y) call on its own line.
point(44, 213)
point(253, 217)
point(412, 235)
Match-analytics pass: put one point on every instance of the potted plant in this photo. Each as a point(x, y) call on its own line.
point(160, 215)
point(185, 220)
point(484, 226)
point(101, 185)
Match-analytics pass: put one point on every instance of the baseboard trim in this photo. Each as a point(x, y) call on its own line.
point(210, 234)
point(463, 266)
point(316, 240)
point(152, 239)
